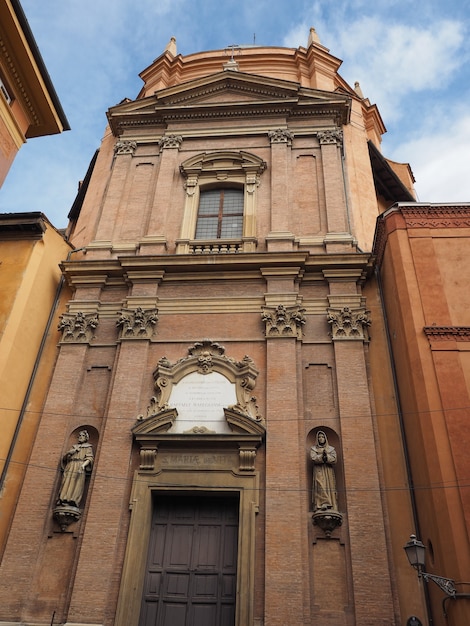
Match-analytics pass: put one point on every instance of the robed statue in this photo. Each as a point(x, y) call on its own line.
point(324, 495)
point(76, 464)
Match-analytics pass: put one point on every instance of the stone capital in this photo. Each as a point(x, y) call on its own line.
point(349, 324)
point(281, 135)
point(125, 147)
point(330, 137)
point(170, 141)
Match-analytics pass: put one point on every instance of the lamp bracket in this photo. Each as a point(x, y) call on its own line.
point(446, 584)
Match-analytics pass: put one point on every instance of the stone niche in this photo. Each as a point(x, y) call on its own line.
point(200, 436)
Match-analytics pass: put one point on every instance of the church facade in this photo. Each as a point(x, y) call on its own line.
point(221, 443)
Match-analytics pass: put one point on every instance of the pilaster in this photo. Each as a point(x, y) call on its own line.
point(155, 239)
point(280, 238)
point(114, 197)
point(338, 236)
point(104, 538)
point(349, 323)
point(285, 532)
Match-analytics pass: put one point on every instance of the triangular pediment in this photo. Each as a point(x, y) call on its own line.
point(235, 92)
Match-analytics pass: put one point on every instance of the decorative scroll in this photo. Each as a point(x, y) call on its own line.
point(138, 324)
point(125, 147)
point(281, 135)
point(78, 328)
point(334, 136)
point(282, 321)
point(349, 324)
point(170, 141)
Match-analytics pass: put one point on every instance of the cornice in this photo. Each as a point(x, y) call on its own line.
point(24, 68)
point(447, 333)
point(189, 101)
point(344, 267)
point(436, 216)
point(418, 215)
point(160, 116)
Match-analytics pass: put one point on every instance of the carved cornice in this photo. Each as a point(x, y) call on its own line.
point(11, 62)
point(125, 147)
point(78, 328)
point(283, 321)
point(330, 137)
point(447, 333)
point(281, 135)
point(349, 324)
point(137, 324)
point(414, 215)
point(441, 216)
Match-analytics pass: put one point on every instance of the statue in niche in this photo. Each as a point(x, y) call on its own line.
point(324, 493)
point(76, 464)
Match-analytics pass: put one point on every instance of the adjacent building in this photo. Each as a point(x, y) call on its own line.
point(29, 106)
point(30, 252)
point(222, 441)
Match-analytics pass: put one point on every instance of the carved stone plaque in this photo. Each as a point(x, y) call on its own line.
point(200, 401)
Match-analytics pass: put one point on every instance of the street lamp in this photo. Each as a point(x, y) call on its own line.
point(415, 551)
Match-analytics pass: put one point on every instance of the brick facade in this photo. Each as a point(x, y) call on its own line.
point(290, 299)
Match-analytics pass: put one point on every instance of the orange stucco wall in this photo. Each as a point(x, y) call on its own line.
point(425, 282)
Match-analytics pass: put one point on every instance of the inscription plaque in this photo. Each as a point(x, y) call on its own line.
point(200, 400)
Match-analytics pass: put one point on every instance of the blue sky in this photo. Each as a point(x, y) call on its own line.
point(411, 59)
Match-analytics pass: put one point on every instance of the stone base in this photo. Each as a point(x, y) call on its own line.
point(327, 520)
point(65, 515)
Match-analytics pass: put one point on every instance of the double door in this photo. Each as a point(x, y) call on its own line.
point(191, 573)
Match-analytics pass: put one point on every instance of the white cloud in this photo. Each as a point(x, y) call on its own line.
point(390, 60)
point(439, 156)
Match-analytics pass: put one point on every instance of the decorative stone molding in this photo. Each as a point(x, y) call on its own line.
point(78, 328)
point(137, 324)
point(281, 135)
point(170, 141)
point(125, 147)
point(332, 136)
point(204, 358)
point(247, 459)
point(423, 216)
point(447, 333)
point(282, 321)
point(349, 324)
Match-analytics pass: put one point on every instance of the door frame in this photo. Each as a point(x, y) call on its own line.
point(200, 469)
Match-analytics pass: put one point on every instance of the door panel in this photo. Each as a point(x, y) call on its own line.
point(191, 572)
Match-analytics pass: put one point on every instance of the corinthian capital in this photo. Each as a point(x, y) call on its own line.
point(334, 136)
point(349, 324)
point(283, 321)
point(281, 135)
point(170, 141)
point(125, 147)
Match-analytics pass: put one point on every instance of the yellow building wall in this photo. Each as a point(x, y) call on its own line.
point(29, 278)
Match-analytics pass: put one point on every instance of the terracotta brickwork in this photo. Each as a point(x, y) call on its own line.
point(283, 313)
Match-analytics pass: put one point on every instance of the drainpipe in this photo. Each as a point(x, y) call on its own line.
point(402, 432)
point(33, 375)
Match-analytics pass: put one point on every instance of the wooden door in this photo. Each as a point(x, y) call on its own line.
point(191, 574)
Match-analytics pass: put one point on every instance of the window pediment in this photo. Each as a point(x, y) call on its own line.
point(231, 162)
